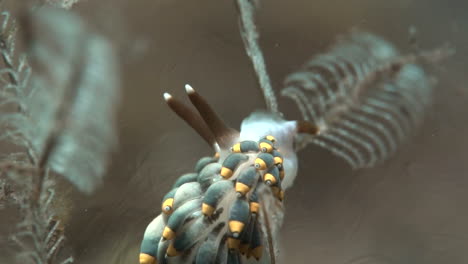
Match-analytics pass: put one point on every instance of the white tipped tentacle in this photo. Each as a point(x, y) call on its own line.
point(167, 96)
point(189, 89)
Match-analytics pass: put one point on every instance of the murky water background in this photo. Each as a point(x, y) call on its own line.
point(410, 210)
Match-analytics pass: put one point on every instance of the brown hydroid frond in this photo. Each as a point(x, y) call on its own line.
point(365, 98)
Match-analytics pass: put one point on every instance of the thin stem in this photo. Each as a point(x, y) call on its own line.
point(250, 36)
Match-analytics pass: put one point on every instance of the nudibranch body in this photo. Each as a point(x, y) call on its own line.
point(230, 209)
point(210, 218)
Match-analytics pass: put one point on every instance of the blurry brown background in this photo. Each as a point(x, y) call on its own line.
point(413, 209)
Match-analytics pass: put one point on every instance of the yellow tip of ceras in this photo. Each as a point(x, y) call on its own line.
point(233, 243)
point(265, 147)
point(236, 148)
point(147, 259)
point(168, 234)
point(271, 138)
point(171, 251)
point(278, 161)
point(256, 252)
point(207, 209)
point(226, 173)
point(269, 179)
point(254, 207)
point(166, 206)
point(278, 193)
point(242, 188)
point(260, 164)
point(236, 228)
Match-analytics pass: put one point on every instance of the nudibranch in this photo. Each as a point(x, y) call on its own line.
point(231, 208)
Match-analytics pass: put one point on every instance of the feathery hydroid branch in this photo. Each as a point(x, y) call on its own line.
point(62, 116)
